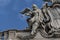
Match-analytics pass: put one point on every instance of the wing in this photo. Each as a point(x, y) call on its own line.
point(26, 10)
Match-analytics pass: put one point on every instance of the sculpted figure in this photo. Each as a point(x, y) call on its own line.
point(38, 17)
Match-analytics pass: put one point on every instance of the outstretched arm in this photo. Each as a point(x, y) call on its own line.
point(26, 12)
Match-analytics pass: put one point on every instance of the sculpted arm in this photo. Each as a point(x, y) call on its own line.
point(26, 12)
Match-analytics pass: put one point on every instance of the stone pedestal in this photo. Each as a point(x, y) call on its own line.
point(39, 37)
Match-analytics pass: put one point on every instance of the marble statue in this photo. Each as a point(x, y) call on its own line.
point(35, 19)
point(46, 19)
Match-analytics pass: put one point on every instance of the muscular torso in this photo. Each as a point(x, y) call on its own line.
point(38, 16)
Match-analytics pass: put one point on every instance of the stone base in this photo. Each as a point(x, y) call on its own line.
point(45, 39)
point(39, 37)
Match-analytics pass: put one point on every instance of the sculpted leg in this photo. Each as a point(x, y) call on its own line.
point(34, 27)
point(30, 22)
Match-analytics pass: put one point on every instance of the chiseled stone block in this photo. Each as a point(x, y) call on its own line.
point(12, 35)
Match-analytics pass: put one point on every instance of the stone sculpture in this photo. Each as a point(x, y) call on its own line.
point(46, 20)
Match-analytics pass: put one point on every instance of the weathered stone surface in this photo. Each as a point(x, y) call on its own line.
point(39, 37)
point(15, 35)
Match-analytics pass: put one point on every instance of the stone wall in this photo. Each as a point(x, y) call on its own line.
point(15, 35)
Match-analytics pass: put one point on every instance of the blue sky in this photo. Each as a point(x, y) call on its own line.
point(10, 18)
